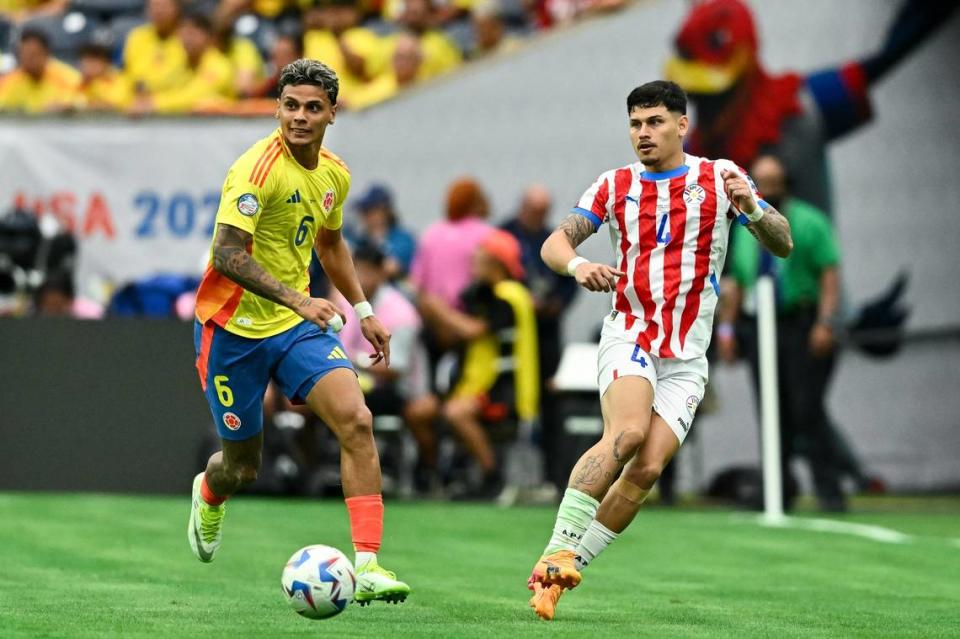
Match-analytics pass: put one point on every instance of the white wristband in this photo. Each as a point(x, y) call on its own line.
point(363, 309)
point(574, 263)
point(758, 213)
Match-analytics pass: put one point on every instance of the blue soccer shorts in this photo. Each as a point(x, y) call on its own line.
point(234, 371)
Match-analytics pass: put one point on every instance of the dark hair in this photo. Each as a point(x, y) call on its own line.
point(94, 50)
point(305, 71)
point(35, 34)
point(658, 93)
point(57, 281)
point(199, 20)
point(293, 36)
point(369, 253)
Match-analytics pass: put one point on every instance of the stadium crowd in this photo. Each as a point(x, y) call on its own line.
point(203, 56)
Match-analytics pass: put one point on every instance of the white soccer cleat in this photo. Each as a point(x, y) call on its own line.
point(204, 530)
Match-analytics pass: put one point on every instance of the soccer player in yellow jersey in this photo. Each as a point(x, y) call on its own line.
point(255, 321)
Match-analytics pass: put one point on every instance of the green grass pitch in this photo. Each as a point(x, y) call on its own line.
point(108, 566)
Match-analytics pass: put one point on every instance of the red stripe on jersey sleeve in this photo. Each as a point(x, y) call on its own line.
point(671, 260)
point(599, 206)
point(701, 264)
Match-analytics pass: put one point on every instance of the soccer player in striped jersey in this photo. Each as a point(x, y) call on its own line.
point(255, 320)
point(669, 216)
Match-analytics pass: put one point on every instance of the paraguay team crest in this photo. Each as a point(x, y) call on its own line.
point(328, 198)
point(231, 421)
point(692, 402)
point(694, 194)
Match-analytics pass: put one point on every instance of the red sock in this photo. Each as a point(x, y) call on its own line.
point(366, 522)
point(207, 495)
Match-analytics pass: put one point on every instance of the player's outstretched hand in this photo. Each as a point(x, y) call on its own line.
point(319, 311)
point(738, 191)
point(379, 337)
point(598, 277)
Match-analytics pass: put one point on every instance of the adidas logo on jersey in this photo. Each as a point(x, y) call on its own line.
point(337, 353)
point(295, 198)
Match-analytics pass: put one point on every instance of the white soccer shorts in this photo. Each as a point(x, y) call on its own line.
point(677, 384)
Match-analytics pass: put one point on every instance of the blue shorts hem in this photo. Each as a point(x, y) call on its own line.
point(299, 396)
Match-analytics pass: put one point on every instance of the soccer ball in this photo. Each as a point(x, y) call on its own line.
point(318, 582)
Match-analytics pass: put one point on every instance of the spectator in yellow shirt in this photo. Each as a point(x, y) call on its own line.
point(40, 83)
point(490, 30)
point(264, 8)
point(440, 53)
point(154, 58)
point(245, 59)
point(206, 84)
point(103, 87)
point(403, 72)
point(19, 11)
point(335, 37)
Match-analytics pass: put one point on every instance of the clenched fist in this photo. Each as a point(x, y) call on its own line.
point(738, 191)
point(319, 311)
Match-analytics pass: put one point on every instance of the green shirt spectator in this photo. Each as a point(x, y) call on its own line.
point(798, 276)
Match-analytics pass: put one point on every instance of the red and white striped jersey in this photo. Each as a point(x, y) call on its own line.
point(669, 232)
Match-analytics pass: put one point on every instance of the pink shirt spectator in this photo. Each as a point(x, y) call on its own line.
point(398, 315)
point(441, 265)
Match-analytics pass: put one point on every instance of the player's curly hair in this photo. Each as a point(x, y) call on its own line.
point(306, 71)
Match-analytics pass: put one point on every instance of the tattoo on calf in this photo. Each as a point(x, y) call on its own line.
point(591, 471)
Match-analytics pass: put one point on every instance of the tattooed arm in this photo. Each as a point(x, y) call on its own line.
point(772, 230)
point(230, 258)
point(559, 249)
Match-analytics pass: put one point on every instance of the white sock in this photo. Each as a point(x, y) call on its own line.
point(595, 539)
point(576, 512)
point(363, 558)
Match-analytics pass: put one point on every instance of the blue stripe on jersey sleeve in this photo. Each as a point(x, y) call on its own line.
point(743, 218)
point(590, 215)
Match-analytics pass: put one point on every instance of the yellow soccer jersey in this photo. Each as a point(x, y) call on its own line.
point(283, 205)
point(157, 64)
point(58, 87)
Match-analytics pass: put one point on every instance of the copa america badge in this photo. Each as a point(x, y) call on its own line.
point(247, 204)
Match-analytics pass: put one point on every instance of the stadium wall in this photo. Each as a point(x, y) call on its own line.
point(102, 406)
point(115, 406)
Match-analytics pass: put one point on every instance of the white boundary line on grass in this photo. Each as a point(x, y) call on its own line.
point(875, 533)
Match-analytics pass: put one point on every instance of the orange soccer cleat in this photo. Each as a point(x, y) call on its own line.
point(544, 600)
point(557, 568)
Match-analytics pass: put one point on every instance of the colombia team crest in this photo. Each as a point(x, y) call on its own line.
point(231, 421)
point(328, 198)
